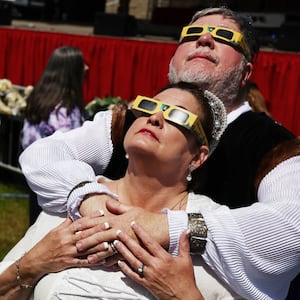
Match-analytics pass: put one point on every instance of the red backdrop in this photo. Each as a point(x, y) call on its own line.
point(127, 67)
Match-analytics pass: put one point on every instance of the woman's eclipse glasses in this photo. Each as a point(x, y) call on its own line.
point(172, 113)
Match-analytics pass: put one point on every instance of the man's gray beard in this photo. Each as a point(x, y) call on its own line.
point(227, 87)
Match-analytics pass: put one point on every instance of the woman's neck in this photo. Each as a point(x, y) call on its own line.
point(150, 193)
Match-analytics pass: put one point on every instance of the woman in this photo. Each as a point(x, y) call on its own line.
point(169, 139)
point(56, 102)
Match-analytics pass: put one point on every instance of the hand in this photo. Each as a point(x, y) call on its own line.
point(120, 217)
point(57, 250)
point(164, 275)
point(92, 203)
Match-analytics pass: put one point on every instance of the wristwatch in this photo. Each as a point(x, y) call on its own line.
point(198, 233)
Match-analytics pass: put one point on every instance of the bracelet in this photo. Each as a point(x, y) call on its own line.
point(198, 233)
point(77, 186)
point(18, 277)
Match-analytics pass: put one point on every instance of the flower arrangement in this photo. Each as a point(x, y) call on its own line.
point(100, 104)
point(12, 97)
point(13, 100)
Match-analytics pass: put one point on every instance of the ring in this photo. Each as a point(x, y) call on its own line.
point(113, 247)
point(140, 270)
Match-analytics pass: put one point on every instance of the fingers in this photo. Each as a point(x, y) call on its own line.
point(135, 255)
point(130, 249)
point(130, 272)
point(86, 222)
point(94, 238)
point(105, 255)
point(116, 207)
point(184, 244)
point(149, 243)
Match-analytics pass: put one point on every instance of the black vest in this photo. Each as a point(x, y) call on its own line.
point(228, 174)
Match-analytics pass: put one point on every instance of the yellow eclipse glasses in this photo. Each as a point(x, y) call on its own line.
point(172, 113)
point(220, 34)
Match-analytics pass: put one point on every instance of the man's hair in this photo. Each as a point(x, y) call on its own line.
point(244, 23)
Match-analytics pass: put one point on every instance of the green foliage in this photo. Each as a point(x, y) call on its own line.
point(14, 215)
point(100, 104)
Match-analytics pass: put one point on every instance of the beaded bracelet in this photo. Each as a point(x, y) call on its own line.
point(18, 277)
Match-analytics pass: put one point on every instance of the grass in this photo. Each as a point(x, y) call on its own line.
point(14, 213)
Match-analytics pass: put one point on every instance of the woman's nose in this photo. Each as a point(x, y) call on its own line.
point(206, 40)
point(156, 119)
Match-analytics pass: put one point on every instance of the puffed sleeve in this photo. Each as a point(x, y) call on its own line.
point(53, 165)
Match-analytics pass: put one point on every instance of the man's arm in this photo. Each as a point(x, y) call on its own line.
point(256, 249)
point(53, 166)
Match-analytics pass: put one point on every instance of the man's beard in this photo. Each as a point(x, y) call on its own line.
point(226, 85)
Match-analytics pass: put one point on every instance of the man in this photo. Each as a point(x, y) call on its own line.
point(218, 54)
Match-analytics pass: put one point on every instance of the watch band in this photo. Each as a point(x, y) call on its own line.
point(198, 233)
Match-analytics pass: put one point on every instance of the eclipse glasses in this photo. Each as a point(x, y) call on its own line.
point(172, 113)
point(220, 34)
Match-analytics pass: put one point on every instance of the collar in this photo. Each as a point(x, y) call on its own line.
point(233, 115)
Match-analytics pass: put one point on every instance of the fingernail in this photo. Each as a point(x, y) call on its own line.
point(118, 232)
point(101, 212)
point(115, 242)
point(78, 246)
point(106, 225)
point(105, 245)
point(132, 223)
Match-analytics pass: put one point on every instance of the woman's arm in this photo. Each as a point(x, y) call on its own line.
point(56, 251)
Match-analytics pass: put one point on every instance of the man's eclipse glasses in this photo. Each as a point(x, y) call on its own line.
point(220, 34)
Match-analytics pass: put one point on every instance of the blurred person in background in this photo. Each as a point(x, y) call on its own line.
point(56, 102)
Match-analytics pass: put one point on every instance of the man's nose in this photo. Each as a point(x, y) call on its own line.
point(206, 40)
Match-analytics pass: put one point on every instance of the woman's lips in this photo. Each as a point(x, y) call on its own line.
point(148, 132)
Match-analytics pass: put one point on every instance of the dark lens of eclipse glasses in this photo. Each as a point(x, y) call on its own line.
point(193, 30)
point(148, 105)
point(225, 34)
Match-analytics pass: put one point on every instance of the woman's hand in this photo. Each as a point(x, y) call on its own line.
point(55, 252)
point(164, 275)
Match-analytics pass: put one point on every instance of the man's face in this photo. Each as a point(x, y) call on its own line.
point(212, 64)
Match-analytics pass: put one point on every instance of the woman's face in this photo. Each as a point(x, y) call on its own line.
point(153, 137)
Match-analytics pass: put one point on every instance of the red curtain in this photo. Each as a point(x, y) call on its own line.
point(278, 77)
point(127, 67)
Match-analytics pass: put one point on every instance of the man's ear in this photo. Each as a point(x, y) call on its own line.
point(200, 157)
point(248, 73)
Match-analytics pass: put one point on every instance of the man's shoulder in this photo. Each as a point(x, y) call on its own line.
point(258, 123)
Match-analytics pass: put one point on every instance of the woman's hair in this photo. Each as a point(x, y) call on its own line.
point(207, 117)
point(60, 84)
point(243, 22)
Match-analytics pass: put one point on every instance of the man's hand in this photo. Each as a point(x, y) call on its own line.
point(120, 217)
